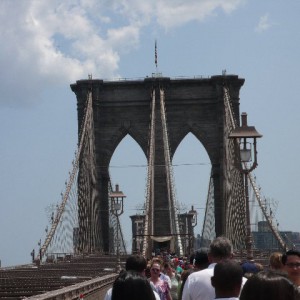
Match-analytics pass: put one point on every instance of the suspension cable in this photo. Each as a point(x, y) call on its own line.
point(250, 177)
point(169, 173)
point(72, 177)
point(148, 227)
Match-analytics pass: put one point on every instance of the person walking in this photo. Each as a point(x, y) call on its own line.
point(136, 263)
point(291, 265)
point(161, 286)
point(175, 279)
point(269, 284)
point(198, 284)
point(227, 280)
point(132, 286)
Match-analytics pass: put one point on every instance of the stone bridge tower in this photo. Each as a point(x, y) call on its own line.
point(124, 107)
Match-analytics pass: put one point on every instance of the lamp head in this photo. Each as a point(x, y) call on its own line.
point(117, 193)
point(244, 148)
point(244, 131)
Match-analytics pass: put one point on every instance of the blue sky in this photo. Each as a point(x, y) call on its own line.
point(47, 45)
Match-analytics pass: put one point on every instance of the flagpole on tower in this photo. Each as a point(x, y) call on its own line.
point(156, 55)
point(156, 74)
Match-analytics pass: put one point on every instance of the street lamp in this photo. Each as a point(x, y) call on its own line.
point(117, 209)
point(194, 218)
point(193, 212)
point(245, 148)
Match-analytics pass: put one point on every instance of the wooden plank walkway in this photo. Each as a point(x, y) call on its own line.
point(30, 280)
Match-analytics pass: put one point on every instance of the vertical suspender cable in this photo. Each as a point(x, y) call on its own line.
point(170, 186)
point(149, 213)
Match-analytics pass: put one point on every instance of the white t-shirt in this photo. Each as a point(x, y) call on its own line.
point(231, 298)
point(198, 285)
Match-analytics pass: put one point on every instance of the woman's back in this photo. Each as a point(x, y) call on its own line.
point(131, 285)
point(269, 285)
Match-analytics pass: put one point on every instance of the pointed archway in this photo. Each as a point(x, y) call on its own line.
point(192, 168)
point(128, 168)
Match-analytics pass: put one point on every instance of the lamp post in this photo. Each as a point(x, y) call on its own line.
point(245, 148)
point(193, 212)
point(194, 218)
point(117, 209)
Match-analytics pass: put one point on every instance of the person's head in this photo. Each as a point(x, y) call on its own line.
point(227, 279)
point(269, 284)
point(155, 269)
point(136, 263)
point(291, 265)
point(175, 261)
point(275, 261)
point(156, 260)
point(132, 285)
point(200, 259)
point(220, 248)
point(168, 268)
point(249, 268)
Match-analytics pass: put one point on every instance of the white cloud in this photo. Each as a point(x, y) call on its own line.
point(263, 24)
point(60, 41)
point(174, 13)
point(123, 38)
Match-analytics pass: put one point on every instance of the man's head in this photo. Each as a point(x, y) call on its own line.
point(249, 268)
point(227, 279)
point(291, 264)
point(200, 259)
point(136, 263)
point(219, 249)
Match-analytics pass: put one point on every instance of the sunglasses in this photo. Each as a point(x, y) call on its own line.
point(293, 265)
point(155, 270)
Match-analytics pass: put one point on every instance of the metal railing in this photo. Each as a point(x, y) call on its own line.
point(78, 291)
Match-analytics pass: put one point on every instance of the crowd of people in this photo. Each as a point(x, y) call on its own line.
point(208, 274)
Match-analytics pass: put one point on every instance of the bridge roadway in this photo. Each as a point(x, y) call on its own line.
point(79, 277)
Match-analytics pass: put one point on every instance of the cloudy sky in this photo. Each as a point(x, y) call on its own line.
point(47, 45)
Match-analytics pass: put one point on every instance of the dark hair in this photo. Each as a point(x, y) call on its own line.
point(220, 248)
point(228, 275)
point(271, 285)
point(167, 265)
point(131, 285)
point(200, 258)
point(136, 263)
point(289, 253)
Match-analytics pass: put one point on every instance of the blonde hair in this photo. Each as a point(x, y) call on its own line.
point(275, 261)
point(156, 260)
